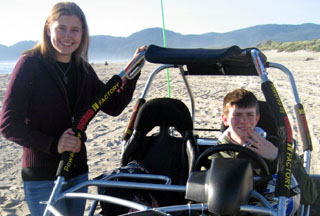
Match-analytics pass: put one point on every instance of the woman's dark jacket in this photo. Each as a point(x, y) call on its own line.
point(36, 112)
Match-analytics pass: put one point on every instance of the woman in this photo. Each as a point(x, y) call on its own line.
point(50, 85)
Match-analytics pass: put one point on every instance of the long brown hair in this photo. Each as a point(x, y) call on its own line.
point(45, 47)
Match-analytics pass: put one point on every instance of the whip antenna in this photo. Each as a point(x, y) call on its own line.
point(165, 45)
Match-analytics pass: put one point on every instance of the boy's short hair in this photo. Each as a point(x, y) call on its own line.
point(240, 97)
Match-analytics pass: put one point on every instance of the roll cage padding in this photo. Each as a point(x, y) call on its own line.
point(129, 129)
point(176, 56)
point(228, 61)
point(284, 168)
point(81, 121)
point(303, 127)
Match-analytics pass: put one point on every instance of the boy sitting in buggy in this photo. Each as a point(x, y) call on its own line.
point(241, 115)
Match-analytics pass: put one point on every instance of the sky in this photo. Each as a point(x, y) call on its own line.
point(24, 20)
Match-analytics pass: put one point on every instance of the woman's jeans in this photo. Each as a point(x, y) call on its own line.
point(36, 191)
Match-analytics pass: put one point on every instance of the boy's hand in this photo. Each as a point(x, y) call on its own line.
point(261, 146)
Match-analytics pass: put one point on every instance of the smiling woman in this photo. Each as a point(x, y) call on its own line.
point(50, 85)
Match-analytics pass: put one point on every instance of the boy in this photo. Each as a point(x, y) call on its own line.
point(241, 115)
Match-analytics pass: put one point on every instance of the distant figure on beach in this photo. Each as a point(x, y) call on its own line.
point(50, 85)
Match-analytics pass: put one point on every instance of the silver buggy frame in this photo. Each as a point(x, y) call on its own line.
point(228, 61)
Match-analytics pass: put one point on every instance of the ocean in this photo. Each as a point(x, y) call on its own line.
point(6, 67)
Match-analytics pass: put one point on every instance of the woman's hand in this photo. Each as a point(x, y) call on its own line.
point(262, 146)
point(69, 142)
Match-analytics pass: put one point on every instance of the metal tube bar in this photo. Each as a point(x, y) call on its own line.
point(282, 205)
point(124, 184)
point(54, 211)
point(152, 75)
point(166, 179)
point(258, 210)
point(306, 160)
point(261, 198)
point(178, 208)
point(110, 199)
point(55, 194)
point(93, 208)
point(259, 65)
point(291, 79)
point(189, 92)
point(165, 66)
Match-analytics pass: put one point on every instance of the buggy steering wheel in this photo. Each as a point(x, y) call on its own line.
point(203, 157)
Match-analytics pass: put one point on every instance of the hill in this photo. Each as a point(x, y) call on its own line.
point(311, 45)
point(104, 47)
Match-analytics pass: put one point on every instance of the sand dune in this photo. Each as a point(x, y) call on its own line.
point(104, 132)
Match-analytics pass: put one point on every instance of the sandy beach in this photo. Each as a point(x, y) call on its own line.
point(104, 132)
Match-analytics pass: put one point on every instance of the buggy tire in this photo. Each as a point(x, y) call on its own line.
point(315, 207)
